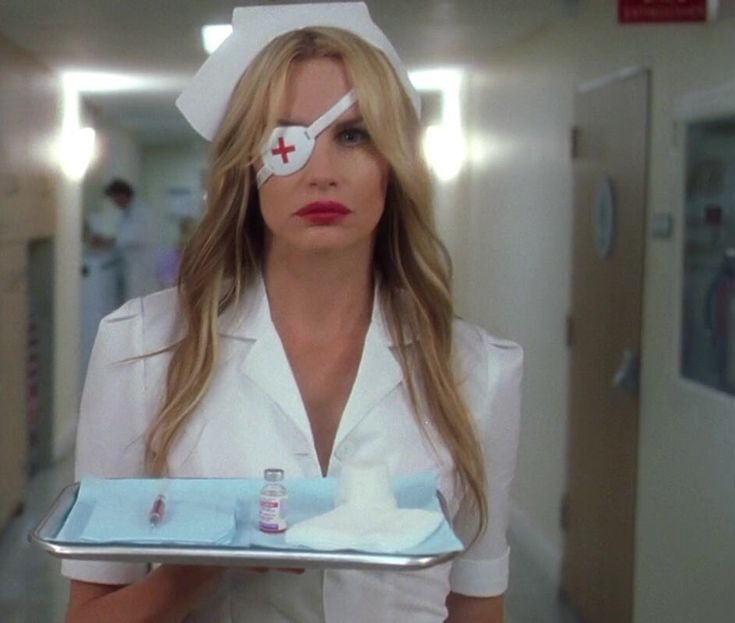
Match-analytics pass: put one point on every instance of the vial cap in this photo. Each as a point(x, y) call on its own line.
point(273, 474)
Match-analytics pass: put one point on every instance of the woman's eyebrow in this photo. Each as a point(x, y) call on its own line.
point(349, 121)
point(353, 120)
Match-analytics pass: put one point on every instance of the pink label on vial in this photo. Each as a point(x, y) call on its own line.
point(273, 514)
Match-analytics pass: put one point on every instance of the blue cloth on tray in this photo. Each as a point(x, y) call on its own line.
point(222, 512)
point(117, 511)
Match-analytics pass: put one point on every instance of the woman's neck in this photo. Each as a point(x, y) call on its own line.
point(319, 295)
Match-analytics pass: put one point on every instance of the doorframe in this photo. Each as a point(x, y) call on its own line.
point(614, 76)
point(693, 106)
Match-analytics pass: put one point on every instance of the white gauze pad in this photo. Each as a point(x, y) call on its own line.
point(366, 485)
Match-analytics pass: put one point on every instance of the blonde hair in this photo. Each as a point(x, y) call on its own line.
point(225, 253)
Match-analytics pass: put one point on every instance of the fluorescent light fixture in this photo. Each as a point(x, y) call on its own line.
point(444, 149)
point(76, 145)
point(444, 143)
point(86, 81)
point(213, 35)
point(440, 79)
point(78, 152)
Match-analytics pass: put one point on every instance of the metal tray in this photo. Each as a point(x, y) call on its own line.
point(52, 522)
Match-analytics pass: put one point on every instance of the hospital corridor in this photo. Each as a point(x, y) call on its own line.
point(580, 168)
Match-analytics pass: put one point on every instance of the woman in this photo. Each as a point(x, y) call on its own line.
point(312, 324)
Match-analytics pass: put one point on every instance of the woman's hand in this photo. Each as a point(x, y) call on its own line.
point(166, 595)
point(463, 609)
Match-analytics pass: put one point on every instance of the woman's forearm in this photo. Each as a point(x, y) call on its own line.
point(463, 609)
point(166, 595)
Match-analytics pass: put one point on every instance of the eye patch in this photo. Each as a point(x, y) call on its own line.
point(289, 148)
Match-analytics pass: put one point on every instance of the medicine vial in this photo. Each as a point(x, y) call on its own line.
point(273, 502)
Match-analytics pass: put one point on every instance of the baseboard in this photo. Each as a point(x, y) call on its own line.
point(546, 556)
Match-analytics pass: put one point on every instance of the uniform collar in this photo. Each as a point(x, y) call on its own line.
point(266, 363)
point(250, 318)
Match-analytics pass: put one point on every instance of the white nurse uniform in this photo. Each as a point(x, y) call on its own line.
point(252, 418)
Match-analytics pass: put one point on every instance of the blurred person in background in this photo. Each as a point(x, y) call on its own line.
point(121, 224)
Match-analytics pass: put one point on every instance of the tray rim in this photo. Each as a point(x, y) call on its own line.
point(51, 522)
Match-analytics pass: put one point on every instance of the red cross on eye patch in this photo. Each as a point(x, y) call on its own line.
point(283, 150)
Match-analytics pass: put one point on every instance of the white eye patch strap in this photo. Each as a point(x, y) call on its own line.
point(263, 174)
point(329, 117)
point(308, 138)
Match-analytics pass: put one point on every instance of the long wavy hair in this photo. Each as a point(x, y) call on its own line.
point(225, 253)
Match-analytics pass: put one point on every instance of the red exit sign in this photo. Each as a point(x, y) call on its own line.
point(656, 11)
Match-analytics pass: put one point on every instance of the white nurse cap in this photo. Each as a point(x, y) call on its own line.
point(204, 101)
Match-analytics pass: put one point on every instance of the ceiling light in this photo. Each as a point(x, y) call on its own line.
point(84, 81)
point(78, 150)
point(444, 143)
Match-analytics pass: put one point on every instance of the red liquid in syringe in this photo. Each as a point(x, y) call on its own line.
point(158, 511)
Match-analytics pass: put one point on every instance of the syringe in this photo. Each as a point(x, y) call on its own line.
point(158, 510)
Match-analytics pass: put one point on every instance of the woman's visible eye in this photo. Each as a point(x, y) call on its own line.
point(354, 136)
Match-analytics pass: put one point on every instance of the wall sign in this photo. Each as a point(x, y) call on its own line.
point(657, 11)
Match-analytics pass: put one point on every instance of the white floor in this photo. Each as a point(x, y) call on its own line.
point(32, 591)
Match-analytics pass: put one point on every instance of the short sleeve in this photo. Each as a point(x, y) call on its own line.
point(494, 397)
point(110, 433)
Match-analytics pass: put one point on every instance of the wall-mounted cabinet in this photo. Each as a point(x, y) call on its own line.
point(29, 125)
point(27, 206)
point(28, 129)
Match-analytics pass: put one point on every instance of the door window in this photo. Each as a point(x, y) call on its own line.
point(708, 327)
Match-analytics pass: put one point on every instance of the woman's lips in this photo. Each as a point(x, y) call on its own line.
point(323, 212)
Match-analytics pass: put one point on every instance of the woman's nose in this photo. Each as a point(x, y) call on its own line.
point(322, 167)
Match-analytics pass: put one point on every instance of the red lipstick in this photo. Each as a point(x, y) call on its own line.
point(323, 212)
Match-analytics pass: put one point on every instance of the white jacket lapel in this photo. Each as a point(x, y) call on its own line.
point(378, 374)
point(265, 363)
point(267, 366)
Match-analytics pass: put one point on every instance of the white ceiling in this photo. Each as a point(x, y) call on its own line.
point(160, 39)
